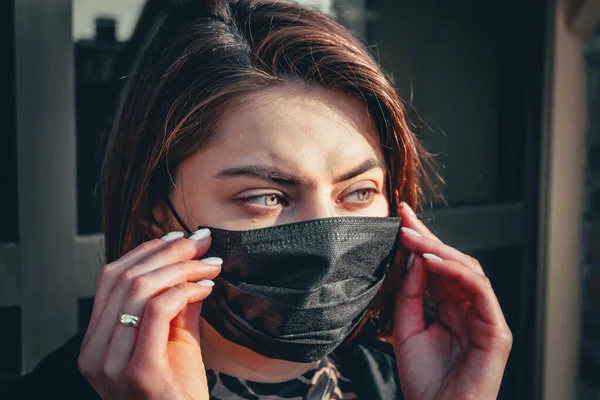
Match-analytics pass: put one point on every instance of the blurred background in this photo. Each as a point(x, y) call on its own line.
point(505, 93)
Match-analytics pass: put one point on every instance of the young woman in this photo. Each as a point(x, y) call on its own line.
point(260, 239)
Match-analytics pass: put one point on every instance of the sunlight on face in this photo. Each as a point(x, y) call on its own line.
point(285, 155)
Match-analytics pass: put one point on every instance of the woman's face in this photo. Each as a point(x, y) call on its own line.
point(284, 155)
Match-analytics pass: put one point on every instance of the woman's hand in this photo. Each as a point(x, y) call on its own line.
point(160, 358)
point(463, 354)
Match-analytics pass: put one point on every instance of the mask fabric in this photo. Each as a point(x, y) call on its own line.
point(296, 291)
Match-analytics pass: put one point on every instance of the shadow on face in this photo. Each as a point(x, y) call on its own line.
point(284, 155)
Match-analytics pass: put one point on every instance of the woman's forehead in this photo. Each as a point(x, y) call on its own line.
point(304, 129)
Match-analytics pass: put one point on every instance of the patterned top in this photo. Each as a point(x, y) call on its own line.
point(325, 382)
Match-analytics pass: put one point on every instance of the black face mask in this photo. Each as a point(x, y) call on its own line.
point(296, 291)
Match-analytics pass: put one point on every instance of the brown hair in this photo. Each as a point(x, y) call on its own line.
point(206, 54)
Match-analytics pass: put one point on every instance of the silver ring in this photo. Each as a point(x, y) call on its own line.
point(129, 319)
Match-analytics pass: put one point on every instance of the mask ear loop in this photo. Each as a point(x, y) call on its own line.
point(172, 209)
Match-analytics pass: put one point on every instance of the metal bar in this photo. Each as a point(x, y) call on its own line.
point(10, 295)
point(46, 174)
point(479, 228)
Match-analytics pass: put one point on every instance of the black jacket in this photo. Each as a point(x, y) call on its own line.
point(370, 366)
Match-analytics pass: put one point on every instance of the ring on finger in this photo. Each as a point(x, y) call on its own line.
point(128, 319)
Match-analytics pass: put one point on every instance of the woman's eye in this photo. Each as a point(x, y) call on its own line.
point(361, 196)
point(267, 200)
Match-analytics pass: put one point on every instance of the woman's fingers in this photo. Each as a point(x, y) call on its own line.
point(410, 220)
point(149, 252)
point(477, 287)
point(418, 243)
point(153, 283)
point(173, 252)
point(487, 326)
point(145, 287)
point(453, 316)
point(170, 253)
point(161, 310)
point(111, 271)
point(409, 316)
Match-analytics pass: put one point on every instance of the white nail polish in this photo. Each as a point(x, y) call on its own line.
point(169, 237)
point(410, 261)
point(432, 257)
point(206, 282)
point(200, 234)
point(408, 209)
point(212, 261)
point(411, 232)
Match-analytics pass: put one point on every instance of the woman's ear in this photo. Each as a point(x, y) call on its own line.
point(157, 225)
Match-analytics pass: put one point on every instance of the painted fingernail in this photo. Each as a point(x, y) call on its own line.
point(411, 232)
point(206, 282)
point(200, 234)
point(169, 237)
point(212, 261)
point(409, 261)
point(432, 257)
point(408, 210)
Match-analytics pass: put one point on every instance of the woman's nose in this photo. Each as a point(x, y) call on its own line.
point(317, 207)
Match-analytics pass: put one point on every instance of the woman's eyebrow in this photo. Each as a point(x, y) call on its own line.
point(285, 178)
point(370, 164)
point(261, 172)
